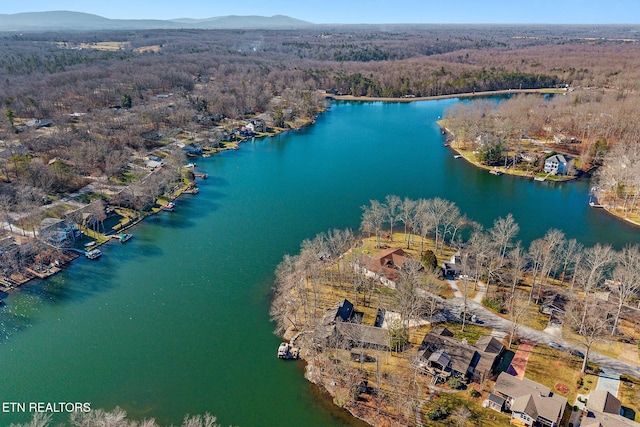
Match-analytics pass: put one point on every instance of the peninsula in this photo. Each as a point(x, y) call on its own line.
point(399, 327)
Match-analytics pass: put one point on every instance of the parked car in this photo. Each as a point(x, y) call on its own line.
point(576, 353)
point(555, 345)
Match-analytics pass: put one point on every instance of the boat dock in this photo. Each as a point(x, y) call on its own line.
point(286, 351)
point(201, 175)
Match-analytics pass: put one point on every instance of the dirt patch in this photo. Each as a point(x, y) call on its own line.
point(562, 388)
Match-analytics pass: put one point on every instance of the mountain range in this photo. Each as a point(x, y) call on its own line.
point(79, 21)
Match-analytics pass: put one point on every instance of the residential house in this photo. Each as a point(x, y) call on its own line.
point(39, 123)
point(453, 267)
point(604, 410)
point(342, 311)
point(384, 266)
point(359, 335)
point(57, 231)
point(152, 162)
point(340, 327)
point(556, 165)
point(554, 303)
point(443, 356)
point(256, 125)
point(192, 149)
point(529, 402)
point(603, 401)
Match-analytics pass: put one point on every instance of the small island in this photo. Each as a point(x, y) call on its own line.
point(421, 327)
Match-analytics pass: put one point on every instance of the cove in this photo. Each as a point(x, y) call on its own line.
point(176, 320)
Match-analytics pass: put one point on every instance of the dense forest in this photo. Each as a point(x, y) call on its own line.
point(84, 107)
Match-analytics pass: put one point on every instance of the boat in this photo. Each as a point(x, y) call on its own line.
point(169, 207)
point(457, 156)
point(496, 172)
point(93, 254)
point(539, 178)
point(88, 244)
point(124, 237)
point(205, 155)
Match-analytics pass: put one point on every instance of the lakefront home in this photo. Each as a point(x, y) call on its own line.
point(556, 165)
point(341, 327)
point(383, 266)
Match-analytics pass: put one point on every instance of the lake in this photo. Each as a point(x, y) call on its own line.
point(176, 320)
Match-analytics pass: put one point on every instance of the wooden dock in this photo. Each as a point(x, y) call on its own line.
point(287, 352)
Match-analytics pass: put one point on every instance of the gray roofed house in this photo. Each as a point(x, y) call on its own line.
point(495, 402)
point(529, 401)
point(339, 328)
point(359, 335)
point(603, 401)
point(556, 165)
point(489, 344)
point(604, 410)
point(599, 419)
point(443, 356)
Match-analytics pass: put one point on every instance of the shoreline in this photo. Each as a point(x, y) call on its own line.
point(496, 170)
point(437, 97)
point(12, 284)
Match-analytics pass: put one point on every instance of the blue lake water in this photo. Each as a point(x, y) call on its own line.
point(176, 320)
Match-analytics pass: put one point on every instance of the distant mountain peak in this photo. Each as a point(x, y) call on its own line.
point(63, 20)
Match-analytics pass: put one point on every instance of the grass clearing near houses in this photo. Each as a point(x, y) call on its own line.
point(550, 367)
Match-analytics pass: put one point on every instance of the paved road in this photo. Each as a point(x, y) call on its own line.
point(452, 309)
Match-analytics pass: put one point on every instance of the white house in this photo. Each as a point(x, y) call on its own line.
point(556, 165)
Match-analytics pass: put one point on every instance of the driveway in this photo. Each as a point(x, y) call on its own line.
point(519, 362)
point(609, 380)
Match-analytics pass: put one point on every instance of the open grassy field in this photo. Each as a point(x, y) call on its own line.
point(552, 367)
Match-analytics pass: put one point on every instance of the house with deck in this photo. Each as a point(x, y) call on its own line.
point(556, 165)
point(442, 356)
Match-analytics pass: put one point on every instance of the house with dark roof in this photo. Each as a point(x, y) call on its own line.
point(529, 402)
point(342, 311)
point(340, 327)
point(453, 267)
point(358, 335)
point(442, 356)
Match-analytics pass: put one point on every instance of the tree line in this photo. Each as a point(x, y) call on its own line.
point(516, 277)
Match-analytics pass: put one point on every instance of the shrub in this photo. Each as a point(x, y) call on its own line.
point(494, 304)
point(474, 393)
point(429, 260)
point(437, 414)
point(456, 383)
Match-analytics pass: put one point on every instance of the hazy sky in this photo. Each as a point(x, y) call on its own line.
point(356, 11)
